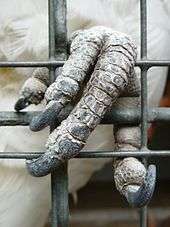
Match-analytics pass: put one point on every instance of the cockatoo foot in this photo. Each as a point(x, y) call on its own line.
point(105, 59)
point(109, 58)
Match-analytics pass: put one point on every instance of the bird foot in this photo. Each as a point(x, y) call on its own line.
point(102, 58)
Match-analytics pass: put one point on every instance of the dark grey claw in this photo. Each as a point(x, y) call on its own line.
point(43, 165)
point(21, 104)
point(46, 118)
point(144, 194)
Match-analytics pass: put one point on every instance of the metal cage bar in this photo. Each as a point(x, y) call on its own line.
point(139, 63)
point(57, 57)
point(58, 51)
point(144, 104)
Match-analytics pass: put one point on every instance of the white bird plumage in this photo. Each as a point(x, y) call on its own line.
point(24, 36)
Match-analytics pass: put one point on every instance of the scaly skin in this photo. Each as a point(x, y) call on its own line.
point(116, 56)
point(105, 59)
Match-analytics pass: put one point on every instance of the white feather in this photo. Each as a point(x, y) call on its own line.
point(24, 36)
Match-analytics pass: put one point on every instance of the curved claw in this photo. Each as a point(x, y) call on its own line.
point(46, 118)
point(43, 165)
point(21, 104)
point(143, 195)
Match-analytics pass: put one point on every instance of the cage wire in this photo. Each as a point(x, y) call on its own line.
point(57, 57)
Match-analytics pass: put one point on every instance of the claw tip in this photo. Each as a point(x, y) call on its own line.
point(142, 196)
point(21, 104)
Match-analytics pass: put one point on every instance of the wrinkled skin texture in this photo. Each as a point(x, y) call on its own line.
point(24, 37)
point(102, 61)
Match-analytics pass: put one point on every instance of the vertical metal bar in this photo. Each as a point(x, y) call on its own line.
point(58, 51)
point(143, 217)
point(60, 208)
point(144, 103)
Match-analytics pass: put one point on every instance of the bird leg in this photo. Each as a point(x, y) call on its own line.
point(107, 58)
point(103, 60)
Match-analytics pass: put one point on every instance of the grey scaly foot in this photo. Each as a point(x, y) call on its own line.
point(107, 58)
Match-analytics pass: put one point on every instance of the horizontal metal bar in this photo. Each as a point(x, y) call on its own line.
point(152, 63)
point(92, 154)
point(117, 115)
point(50, 63)
point(11, 118)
